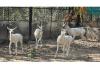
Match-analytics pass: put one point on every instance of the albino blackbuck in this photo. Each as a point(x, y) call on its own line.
point(65, 41)
point(80, 31)
point(15, 38)
point(38, 35)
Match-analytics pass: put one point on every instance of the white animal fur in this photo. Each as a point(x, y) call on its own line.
point(15, 38)
point(38, 35)
point(76, 31)
point(65, 41)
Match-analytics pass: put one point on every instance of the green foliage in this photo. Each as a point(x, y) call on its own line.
point(14, 14)
point(39, 14)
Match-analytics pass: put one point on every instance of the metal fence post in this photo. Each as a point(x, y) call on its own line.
point(30, 22)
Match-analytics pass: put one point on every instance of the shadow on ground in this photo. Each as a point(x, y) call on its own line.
point(47, 52)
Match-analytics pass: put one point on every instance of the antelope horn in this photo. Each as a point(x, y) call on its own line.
point(14, 28)
point(8, 28)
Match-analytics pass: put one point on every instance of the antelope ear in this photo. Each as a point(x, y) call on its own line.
point(8, 28)
point(41, 25)
point(64, 24)
point(14, 28)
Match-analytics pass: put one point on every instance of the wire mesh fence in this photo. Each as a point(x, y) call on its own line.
point(51, 18)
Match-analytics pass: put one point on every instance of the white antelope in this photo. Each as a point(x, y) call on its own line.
point(75, 31)
point(38, 35)
point(15, 38)
point(65, 41)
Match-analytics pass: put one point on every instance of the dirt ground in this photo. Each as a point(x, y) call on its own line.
point(78, 53)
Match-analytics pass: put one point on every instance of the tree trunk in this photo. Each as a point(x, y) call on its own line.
point(78, 20)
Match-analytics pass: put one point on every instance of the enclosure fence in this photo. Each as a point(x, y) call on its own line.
point(26, 20)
